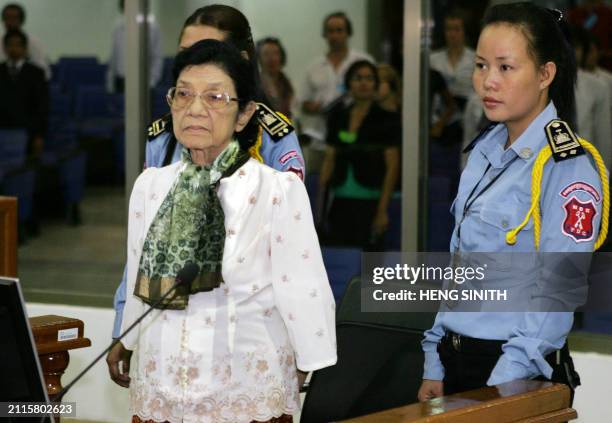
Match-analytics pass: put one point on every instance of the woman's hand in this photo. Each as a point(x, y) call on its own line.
point(430, 389)
point(118, 361)
point(301, 378)
point(380, 223)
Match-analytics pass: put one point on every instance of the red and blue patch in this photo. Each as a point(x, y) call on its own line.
point(297, 170)
point(288, 156)
point(580, 186)
point(579, 218)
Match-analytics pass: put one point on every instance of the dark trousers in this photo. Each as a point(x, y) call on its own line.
point(350, 224)
point(468, 363)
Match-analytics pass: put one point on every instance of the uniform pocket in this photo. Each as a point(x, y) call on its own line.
point(506, 218)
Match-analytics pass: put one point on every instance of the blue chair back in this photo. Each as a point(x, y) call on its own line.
point(341, 264)
point(13, 147)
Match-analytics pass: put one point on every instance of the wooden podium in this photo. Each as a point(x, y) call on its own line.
point(8, 236)
point(54, 337)
point(517, 401)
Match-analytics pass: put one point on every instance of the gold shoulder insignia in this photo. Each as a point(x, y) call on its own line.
point(273, 123)
point(562, 141)
point(158, 126)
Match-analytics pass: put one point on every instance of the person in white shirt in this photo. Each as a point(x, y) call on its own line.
point(456, 60)
point(116, 64)
point(592, 100)
point(13, 18)
point(324, 83)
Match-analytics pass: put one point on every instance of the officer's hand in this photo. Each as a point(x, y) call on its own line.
point(118, 360)
point(380, 223)
point(430, 389)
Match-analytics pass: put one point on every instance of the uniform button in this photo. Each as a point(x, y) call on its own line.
point(525, 153)
point(505, 224)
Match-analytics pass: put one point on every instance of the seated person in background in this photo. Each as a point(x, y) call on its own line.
point(389, 88)
point(25, 97)
point(277, 87)
point(228, 345)
point(361, 162)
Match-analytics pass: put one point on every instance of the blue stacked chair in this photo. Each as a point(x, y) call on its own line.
point(166, 79)
point(393, 237)
point(341, 264)
point(63, 68)
point(17, 179)
point(312, 188)
point(95, 114)
point(159, 105)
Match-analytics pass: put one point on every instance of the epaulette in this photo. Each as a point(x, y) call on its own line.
point(563, 142)
point(158, 126)
point(481, 134)
point(274, 123)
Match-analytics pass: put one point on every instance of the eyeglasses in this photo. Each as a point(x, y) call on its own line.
point(180, 98)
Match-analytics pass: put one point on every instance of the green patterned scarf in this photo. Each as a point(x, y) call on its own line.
point(189, 228)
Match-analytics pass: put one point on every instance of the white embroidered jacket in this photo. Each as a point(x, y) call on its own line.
point(231, 355)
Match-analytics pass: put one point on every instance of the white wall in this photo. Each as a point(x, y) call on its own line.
point(298, 25)
point(83, 27)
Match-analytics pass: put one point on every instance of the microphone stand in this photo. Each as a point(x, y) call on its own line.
point(58, 397)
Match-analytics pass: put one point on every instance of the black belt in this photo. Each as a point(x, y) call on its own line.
point(467, 345)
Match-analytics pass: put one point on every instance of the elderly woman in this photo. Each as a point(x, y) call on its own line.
point(227, 347)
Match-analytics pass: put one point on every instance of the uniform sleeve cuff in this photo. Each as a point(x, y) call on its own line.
point(434, 370)
point(507, 370)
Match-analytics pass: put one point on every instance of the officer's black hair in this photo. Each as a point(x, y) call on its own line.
point(15, 33)
point(227, 19)
point(277, 43)
point(236, 25)
point(347, 22)
point(19, 8)
point(352, 70)
point(547, 38)
point(228, 58)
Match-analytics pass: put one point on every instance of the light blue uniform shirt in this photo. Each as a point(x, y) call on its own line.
point(531, 335)
point(284, 155)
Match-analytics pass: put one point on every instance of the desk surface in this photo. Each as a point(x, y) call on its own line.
point(514, 401)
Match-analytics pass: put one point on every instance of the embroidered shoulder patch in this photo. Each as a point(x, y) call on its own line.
point(580, 186)
point(297, 170)
point(292, 154)
point(579, 217)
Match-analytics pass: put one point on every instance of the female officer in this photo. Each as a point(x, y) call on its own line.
point(524, 75)
point(276, 146)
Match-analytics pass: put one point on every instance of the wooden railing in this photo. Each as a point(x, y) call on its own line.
point(517, 401)
point(8, 236)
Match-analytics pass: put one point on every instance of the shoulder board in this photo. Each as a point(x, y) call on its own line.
point(158, 126)
point(562, 141)
point(275, 124)
point(478, 137)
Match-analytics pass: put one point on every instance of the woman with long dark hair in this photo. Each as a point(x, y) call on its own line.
point(514, 198)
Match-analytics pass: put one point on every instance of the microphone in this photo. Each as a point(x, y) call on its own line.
point(185, 276)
